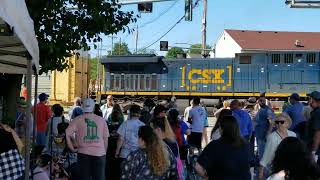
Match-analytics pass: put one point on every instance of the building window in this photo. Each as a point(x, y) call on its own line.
point(288, 58)
point(275, 58)
point(245, 60)
point(311, 58)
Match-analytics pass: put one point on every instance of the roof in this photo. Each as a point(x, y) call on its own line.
point(12, 54)
point(276, 40)
point(131, 59)
point(14, 13)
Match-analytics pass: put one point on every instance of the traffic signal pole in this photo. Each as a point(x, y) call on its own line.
point(204, 27)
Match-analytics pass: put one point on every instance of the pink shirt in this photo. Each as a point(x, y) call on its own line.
point(91, 131)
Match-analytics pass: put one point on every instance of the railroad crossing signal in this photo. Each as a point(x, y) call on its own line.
point(188, 10)
point(164, 46)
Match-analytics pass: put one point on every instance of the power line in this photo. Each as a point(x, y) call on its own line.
point(194, 6)
point(156, 18)
point(159, 16)
point(165, 33)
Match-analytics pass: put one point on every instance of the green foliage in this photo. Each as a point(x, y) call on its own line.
point(60, 29)
point(120, 49)
point(197, 49)
point(173, 52)
point(93, 68)
point(146, 51)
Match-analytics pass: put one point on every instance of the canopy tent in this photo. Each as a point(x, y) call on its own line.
point(18, 51)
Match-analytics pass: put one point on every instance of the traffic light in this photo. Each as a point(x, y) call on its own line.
point(145, 7)
point(164, 46)
point(188, 10)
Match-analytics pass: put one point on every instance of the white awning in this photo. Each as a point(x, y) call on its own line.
point(14, 47)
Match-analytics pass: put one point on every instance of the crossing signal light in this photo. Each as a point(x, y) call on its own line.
point(188, 10)
point(164, 46)
point(145, 7)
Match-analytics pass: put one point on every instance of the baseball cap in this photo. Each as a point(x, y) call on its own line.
point(295, 96)
point(315, 95)
point(88, 105)
point(22, 103)
point(43, 96)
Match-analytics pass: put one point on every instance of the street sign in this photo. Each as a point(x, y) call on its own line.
point(127, 2)
point(164, 46)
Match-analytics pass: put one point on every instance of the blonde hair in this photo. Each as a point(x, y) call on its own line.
point(156, 150)
point(226, 104)
point(286, 117)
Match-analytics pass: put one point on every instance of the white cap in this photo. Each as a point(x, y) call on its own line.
point(88, 105)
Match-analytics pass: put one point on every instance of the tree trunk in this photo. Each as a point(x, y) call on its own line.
point(9, 96)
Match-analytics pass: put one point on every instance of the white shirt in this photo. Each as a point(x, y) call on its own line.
point(279, 176)
point(186, 113)
point(273, 141)
point(106, 111)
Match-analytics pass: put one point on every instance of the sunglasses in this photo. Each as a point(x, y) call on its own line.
point(279, 122)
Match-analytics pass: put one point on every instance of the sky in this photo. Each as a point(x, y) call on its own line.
point(222, 14)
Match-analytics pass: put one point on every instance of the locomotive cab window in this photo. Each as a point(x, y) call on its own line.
point(311, 58)
point(245, 60)
point(275, 58)
point(288, 58)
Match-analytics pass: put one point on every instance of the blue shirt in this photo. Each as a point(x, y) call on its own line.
point(295, 111)
point(198, 116)
point(244, 121)
point(262, 122)
point(184, 127)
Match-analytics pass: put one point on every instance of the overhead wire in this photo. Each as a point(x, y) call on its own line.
point(172, 27)
point(154, 19)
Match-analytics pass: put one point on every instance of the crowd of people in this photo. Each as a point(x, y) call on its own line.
point(248, 141)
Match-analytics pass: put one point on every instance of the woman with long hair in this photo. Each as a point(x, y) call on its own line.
point(293, 161)
point(161, 127)
point(215, 133)
point(153, 159)
point(180, 128)
point(116, 115)
point(228, 157)
point(113, 164)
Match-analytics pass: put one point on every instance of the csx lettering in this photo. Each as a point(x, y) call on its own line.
point(206, 76)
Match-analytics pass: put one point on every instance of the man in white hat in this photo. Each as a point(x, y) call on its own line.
point(91, 135)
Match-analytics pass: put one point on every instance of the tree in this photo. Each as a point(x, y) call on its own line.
point(62, 29)
point(93, 68)
point(146, 51)
point(120, 49)
point(173, 52)
point(197, 49)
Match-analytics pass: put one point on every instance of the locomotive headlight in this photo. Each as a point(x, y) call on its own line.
point(164, 86)
point(262, 70)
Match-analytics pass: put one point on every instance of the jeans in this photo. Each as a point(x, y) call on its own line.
point(261, 146)
point(41, 138)
point(91, 167)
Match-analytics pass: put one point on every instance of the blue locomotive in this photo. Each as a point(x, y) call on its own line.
point(278, 74)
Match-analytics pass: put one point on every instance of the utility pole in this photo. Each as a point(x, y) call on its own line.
point(137, 39)
point(112, 38)
point(204, 27)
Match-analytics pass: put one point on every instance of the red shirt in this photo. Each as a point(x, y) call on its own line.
point(43, 116)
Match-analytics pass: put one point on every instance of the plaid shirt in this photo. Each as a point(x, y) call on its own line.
point(11, 165)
